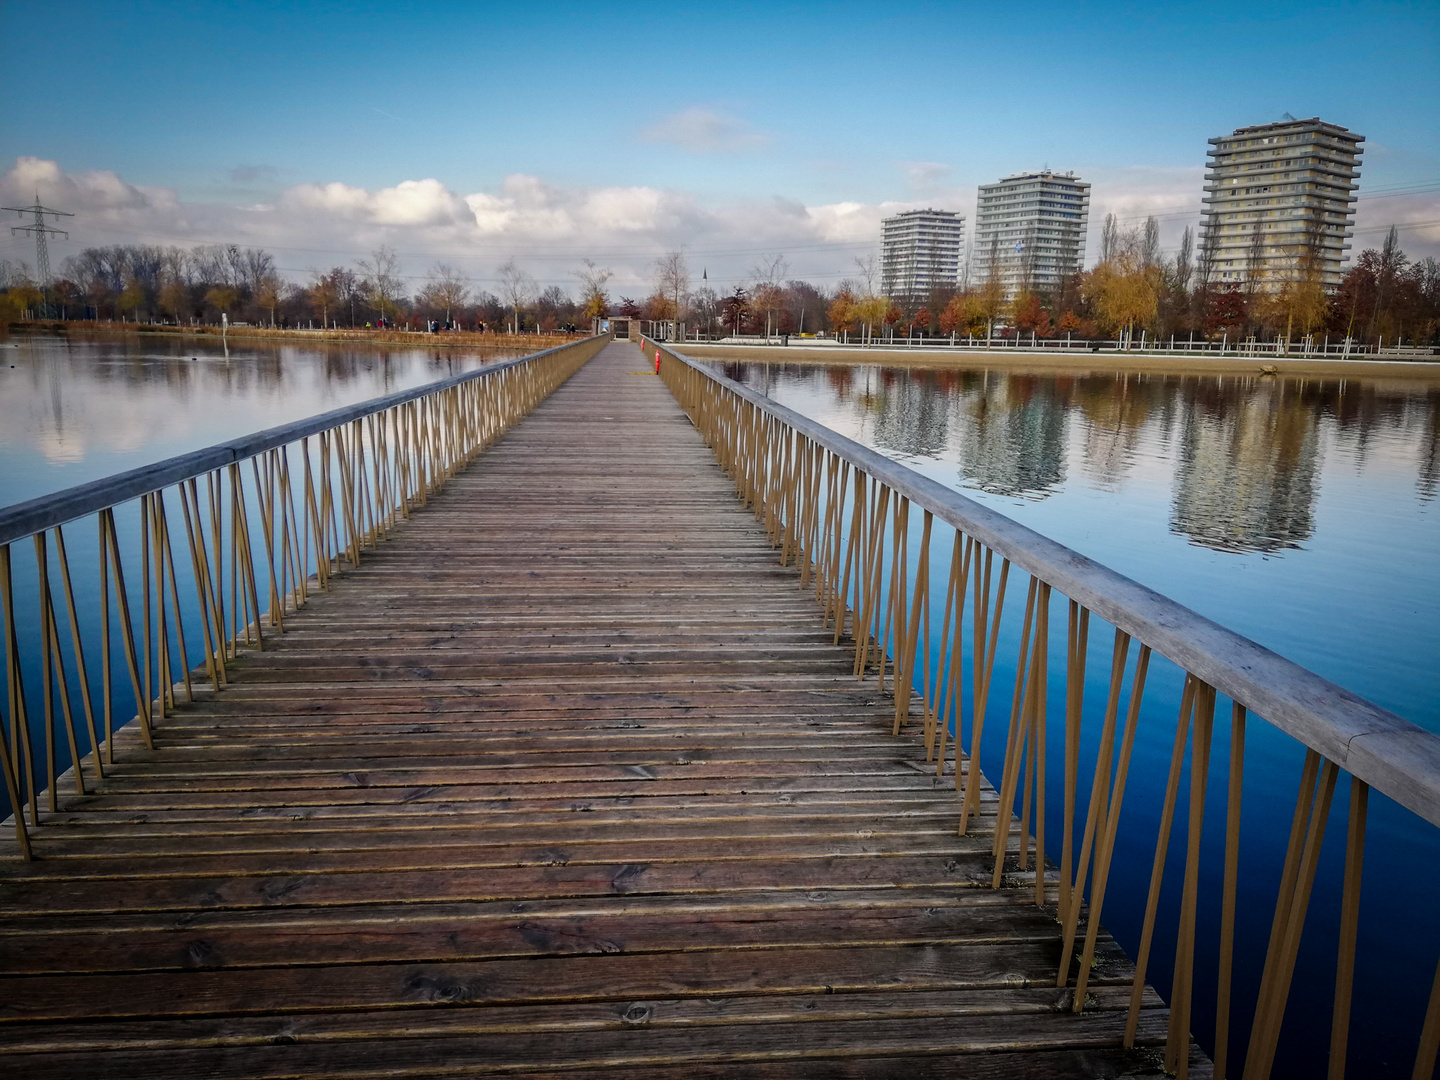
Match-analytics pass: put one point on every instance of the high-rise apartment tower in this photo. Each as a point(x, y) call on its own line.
point(1280, 204)
point(1030, 230)
point(919, 253)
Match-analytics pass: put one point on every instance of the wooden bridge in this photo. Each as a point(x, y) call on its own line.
point(519, 745)
point(566, 776)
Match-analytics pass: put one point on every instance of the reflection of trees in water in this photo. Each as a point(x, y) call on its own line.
point(1115, 409)
point(1429, 479)
point(910, 415)
point(1245, 474)
point(1012, 435)
point(1247, 448)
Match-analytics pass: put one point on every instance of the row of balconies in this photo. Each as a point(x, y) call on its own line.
point(1231, 144)
point(1344, 171)
point(1300, 156)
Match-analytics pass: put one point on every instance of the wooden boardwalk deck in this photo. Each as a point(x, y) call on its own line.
point(565, 778)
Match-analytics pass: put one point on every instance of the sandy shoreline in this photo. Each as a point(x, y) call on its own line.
point(1049, 363)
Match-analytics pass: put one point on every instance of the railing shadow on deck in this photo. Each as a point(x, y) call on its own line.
point(267, 519)
point(844, 513)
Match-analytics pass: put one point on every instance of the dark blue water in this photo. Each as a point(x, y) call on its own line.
point(1302, 514)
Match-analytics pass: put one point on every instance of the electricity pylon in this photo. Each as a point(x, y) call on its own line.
point(40, 230)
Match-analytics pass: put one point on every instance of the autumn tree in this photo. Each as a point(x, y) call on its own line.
point(870, 313)
point(222, 299)
point(1125, 288)
point(1226, 313)
point(1301, 301)
point(132, 297)
point(892, 315)
point(175, 300)
point(989, 302)
point(952, 319)
point(842, 311)
point(594, 302)
point(323, 294)
point(735, 308)
point(1028, 313)
point(658, 308)
point(26, 295)
point(267, 294)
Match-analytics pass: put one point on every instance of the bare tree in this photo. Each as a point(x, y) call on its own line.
point(672, 281)
point(1184, 260)
point(1254, 267)
point(867, 269)
point(768, 295)
point(382, 279)
point(517, 288)
point(1150, 243)
point(1109, 238)
point(446, 288)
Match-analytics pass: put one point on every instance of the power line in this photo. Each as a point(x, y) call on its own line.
point(40, 230)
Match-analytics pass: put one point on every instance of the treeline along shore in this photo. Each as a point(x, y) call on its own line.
point(470, 340)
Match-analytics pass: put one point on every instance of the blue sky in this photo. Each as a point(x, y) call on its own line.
point(738, 130)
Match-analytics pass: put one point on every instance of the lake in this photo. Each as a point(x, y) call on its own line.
point(75, 410)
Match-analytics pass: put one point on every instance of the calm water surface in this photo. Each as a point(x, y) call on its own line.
point(72, 411)
point(1304, 514)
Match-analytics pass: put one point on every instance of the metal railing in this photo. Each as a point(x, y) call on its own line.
point(1311, 348)
point(266, 519)
point(843, 513)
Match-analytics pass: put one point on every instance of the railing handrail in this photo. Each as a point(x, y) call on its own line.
point(1386, 751)
point(21, 520)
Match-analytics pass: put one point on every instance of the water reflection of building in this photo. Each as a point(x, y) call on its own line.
point(1245, 478)
point(1012, 436)
point(911, 417)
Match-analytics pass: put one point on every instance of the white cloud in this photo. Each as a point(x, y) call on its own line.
point(704, 131)
point(550, 227)
point(412, 202)
point(925, 174)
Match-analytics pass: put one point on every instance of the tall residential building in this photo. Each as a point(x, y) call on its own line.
point(1030, 230)
point(919, 253)
point(1280, 203)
